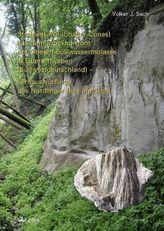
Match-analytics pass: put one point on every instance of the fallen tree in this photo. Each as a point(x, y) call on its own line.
point(15, 118)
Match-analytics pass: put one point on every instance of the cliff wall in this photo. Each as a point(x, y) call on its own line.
point(132, 115)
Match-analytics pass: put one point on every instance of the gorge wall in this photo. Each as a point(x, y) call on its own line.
point(132, 115)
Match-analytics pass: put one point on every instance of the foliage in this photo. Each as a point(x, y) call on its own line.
point(3, 75)
point(47, 202)
point(15, 135)
point(72, 14)
point(22, 162)
point(106, 6)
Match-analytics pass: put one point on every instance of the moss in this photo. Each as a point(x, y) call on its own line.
point(116, 134)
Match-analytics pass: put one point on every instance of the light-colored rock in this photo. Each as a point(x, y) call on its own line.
point(132, 115)
point(113, 181)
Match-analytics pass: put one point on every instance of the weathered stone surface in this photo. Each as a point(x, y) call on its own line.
point(132, 115)
point(113, 181)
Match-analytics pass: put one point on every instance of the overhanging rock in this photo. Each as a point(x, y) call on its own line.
point(113, 181)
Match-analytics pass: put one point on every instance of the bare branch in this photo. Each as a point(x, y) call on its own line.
point(3, 54)
point(25, 98)
point(5, 91)
point(7, 140)
point(4, 30)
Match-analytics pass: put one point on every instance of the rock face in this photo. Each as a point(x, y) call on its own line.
point(113, 181)
point(132, 115)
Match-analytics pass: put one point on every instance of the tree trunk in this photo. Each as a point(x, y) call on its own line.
point(36, 30)
point(15, 118)
point(94, 8)
point(8, 121)
point(20, 26)
point(23, 39)
point(13, 109)
point(4, 92)
point(3, 54)
point(7, 140)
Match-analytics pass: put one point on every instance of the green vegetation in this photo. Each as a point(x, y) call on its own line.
point(31, 198)
point(10, 131)
point(45, 202)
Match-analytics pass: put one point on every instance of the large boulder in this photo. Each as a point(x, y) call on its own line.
point(113, 181)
